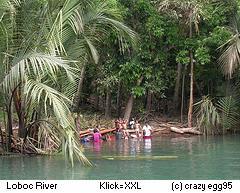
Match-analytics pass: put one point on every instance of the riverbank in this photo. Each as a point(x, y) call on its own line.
point(161, 126)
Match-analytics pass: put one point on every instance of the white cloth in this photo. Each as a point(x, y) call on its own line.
point(132, 123)
point(147, 130)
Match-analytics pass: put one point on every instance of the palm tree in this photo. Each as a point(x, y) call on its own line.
point(230, 58)
point(91, 25)
point(42, 47)
point(29, 72)
point(189, 12)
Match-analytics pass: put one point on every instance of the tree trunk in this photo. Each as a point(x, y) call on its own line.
point(183, 95)
point(129, 106)
point(177, 86)
point(19, 104)
point(119, 99)
point(128, 109)
point(9, 127)
point(108, 104)
point(149, 101)
point(190, 110)
point(21, 125)
point(96, 102)
point(77, 97)
point(78, 123)
point(191, 130)
point(1, 134)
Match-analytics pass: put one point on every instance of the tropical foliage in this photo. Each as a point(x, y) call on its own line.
point(119, 58)
point(43, 50)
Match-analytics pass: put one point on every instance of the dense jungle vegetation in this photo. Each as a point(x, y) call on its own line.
point(118, 58)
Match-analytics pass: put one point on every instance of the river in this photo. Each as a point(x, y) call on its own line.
point(198, 157)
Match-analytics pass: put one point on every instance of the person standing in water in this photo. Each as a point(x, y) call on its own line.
point(147, 131)
point(125, 131)
point(116, 123)
point(137, 128)
point(118, 133)
point(96, 135)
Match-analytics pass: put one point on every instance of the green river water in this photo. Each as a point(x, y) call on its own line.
point(197, 158)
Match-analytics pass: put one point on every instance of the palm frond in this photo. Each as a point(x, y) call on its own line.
point(228, 106)
point(208, 118)
point(38, 91)
point(122, 29)
point(72, 148)
point(37, 64)
point(48, 137)
point(93, 50)
point(97, 19)
point(230, 58)
point(8, 5)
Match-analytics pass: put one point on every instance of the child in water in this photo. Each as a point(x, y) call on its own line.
point(96, 135)
point(137, 128)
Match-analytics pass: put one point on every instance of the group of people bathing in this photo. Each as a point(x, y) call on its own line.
point(123, 130)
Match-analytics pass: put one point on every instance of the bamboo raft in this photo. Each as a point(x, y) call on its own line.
point(127, 158)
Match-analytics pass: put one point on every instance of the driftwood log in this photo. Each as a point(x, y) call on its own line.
point(191, 130)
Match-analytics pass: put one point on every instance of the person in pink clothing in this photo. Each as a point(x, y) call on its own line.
point(96, 135)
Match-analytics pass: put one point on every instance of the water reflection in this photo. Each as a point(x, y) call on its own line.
point(118, 146)
point(131, 147)
point(126, 148)
point(134, 147)
point(183, 142)
point(147, 145)
point(197, 158)
point(97, 147)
